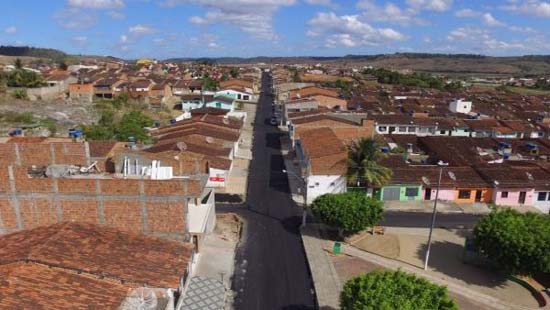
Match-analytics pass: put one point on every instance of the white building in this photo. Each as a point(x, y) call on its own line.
point(323, 162)
point(460, 106)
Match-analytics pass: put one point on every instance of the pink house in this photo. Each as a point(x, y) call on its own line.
point(514, 183)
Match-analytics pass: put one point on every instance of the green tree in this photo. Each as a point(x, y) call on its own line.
point(517, 243)
point(20, 94)
point(209, 83)
point(18, 64)
point(389, 290)
point(132, 125)
point(363, 164)
point(63, 66)
point(349, 212)
point(24, 78)
point(98, 132)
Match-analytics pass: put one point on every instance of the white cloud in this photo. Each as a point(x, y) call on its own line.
point(490, 21)
point(251, 16)
point(80, 40)
point(319, 2)
point(529, 7)
point(474, 39)
point(10, 30)
point(430, 5)
point(123, 38)
point(350, 31)
point(96, 4)
point(139, 30)
point(467, 13)
point(75, 18)
point(116, 15)
point(389, 13)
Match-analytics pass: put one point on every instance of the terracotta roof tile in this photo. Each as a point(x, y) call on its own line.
point(99, 250)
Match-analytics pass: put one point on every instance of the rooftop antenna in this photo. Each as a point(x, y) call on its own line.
point(182, 146)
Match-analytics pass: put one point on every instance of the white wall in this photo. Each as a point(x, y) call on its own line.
point(543, 206)
point(324, 184)
point(460, 106)
point(202, 218)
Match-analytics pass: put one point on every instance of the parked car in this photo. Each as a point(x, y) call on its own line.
point(274, 121)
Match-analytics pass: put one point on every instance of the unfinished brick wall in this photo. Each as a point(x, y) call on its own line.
point(43, 154)
point(156, 207)
point(344, 131)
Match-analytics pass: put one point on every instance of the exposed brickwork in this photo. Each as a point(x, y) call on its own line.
point(165, 217)
point(119, 187)
point(343, 130)
point(169, 187)
point(76, 186)
point(149, 206)
point(79, 210)
point(7, 213)
point(37, 212)
point(123, 215)
point(25, 154)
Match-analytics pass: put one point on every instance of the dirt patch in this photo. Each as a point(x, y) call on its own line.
point(386, 245)
point(228, 226)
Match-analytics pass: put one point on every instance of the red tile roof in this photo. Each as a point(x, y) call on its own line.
point(36, 286)
point(100, 251)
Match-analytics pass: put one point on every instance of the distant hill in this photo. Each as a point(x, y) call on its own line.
point(27, 51)
point(462, 64)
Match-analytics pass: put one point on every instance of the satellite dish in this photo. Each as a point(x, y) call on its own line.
point(226, 121)
point(141, 298)
point(209, 140)
point(181, 146)
point(530, 176)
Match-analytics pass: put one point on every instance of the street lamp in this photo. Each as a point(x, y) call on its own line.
point(304, 213)
point(441, 164)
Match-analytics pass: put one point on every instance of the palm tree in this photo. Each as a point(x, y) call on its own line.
point(363, 166)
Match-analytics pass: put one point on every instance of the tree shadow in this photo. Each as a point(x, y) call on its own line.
point(298, 307)
point(447, 258)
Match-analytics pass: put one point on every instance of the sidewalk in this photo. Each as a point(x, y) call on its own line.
point(442, 207)
point(327, 283)
point(325, 280)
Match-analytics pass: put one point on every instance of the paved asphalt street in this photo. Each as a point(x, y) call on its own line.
point(271, 270)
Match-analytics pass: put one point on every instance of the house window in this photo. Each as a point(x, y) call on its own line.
point(442, 132)
point(382, 128)
point(464, 194)
point(332, 183)
point(316, 183)
point(504, 195)
point(411, 129)
point(246, 97)
point(402, 129)
point(411, 191)
point(239, 96)
point(541, 196)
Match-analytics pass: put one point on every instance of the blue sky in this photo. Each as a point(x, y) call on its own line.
point(197, 28)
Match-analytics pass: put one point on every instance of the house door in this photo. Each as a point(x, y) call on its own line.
point(391, 193)
point(478, 195)
point(428, 194)
point(522, 196)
